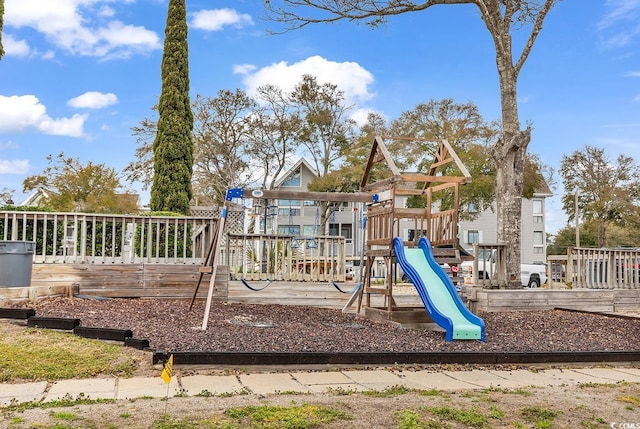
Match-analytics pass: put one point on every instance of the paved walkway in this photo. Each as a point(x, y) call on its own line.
point(309, 382)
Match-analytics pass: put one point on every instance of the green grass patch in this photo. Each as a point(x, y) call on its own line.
point(388, 392)
point(408, 419)
point(65, 415)
point(523, 391)
point(542, 418)
point(16, 420)
point(630, 399)
point(398, 390)
point(42, 354)
point(471, 417)
point(66, 401)
point(168, 422)
point(592, 385)
point(299, 417)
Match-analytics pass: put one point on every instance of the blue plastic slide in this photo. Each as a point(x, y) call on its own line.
point(437, 292)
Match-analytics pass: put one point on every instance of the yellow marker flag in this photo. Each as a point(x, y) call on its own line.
point(167, 372)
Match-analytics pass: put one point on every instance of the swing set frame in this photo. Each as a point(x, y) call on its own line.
point(384, 219)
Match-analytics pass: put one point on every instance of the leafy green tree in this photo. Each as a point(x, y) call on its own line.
point(566, 237)
point(225, 137)
point(502, 19)
point(469, 134)
point(221, 137)
point(274, 126)
point(141, 169)
point(326, 129)
point(173, 145)
point(608, 192)
point(348, 175)
point(69, 185)
point(325, 133)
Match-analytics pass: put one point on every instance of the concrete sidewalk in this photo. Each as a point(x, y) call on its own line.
point(309, 382)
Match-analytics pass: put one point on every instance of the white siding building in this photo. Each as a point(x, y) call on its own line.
point(302, 217)
point(484, 229)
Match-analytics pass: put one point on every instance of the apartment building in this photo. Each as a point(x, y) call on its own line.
point(302, 218)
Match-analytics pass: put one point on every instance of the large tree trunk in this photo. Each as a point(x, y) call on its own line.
point(509, 154)
point(602, 234)
point(509, 187)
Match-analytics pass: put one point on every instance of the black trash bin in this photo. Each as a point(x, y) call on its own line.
point(16, 258)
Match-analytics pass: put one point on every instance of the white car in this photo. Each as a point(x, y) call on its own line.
point(531, 275)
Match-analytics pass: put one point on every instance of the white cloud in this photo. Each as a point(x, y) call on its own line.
point(619, 10)
point(21, 113)
point(361, 115)
point(350, 77)
point(12, 46)
point(120, 40)
point(19, 166)
point(216, 19)
point(243, 68)
point(93, 100)
point(107, 11)
point(633, 74)
point(636, 98)
point(73, 25)
point(8, 145)
point(620, 25)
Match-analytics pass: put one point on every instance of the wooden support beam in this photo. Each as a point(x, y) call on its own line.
point(339, 197)
point(433, 179)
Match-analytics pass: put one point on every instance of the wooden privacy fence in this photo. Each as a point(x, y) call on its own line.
point(580, 268)
point(598, 268)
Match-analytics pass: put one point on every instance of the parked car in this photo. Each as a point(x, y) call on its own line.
point(531, 275)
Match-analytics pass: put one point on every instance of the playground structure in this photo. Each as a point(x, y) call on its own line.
point(386, 217)
point(276, 257)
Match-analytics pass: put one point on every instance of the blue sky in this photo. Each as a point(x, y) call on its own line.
point(78, 74)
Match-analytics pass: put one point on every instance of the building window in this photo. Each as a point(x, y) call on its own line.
point(538, 250)
point(538, 238)
point(538, 219)
point(289, 203)
point(293, 179)
point(345, 231)
point(472, 207)
point(473, 237)
point(537, 207)
point(288, 212)
point(310, 230)
point(413, 233)
point(289, 229)
point(289, 208)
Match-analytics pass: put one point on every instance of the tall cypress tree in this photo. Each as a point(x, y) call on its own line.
point(173, 145)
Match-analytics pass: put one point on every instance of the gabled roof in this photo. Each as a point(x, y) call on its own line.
point(292, 170)
point(34, 198)
point(444, 155)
